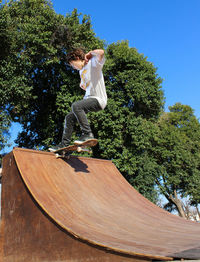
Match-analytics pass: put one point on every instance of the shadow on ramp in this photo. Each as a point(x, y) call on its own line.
point(77, 164)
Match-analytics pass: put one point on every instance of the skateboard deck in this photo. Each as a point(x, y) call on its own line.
point(84, 147)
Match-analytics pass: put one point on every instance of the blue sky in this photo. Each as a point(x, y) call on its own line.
point(165, 31)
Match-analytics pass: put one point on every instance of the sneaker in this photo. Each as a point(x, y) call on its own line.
point(83, 138)
point(57, 147)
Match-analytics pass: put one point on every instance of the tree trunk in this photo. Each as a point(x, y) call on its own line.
point(178, 203)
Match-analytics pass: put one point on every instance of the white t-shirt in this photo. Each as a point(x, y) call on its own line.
point(92, 80)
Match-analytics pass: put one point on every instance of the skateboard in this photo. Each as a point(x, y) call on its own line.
point(84, 147)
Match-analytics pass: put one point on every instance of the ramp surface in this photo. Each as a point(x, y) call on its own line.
point(91, 200)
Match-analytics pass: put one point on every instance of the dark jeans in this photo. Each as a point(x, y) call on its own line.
point(79, 111)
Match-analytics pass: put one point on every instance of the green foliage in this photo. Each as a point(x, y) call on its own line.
point(177, 153)
point(34, 74)
point(126, 128)
point(4, 130)
point(38, 87)
point(4, 127)
point(133, 81)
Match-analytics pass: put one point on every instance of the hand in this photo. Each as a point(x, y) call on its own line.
point(82, 86)
point(88, 56)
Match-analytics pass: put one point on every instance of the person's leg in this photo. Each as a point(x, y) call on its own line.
point(69, 124)
point(70, 121)
point(80, 109)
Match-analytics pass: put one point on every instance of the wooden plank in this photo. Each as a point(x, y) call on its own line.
point(90, 200)
point(31, 235)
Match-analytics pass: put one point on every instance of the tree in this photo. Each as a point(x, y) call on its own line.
point(176, 151)
point(34, 73)
point(4, 50)
point(38, 88)
point(126, 127)
point(23, 38)
point(4, 131)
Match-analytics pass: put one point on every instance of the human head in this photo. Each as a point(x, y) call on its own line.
point(76, 58)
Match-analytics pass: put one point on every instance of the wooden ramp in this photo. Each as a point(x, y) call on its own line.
point(83, 209)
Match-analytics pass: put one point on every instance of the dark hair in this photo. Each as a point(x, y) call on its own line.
point(75, 54)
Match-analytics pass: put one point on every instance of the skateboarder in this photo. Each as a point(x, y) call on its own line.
point(92, 82)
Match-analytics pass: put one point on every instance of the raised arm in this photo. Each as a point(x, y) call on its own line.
point(97, 52)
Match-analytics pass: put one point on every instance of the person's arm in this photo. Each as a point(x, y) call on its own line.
point(82, 86)
point(97, 52)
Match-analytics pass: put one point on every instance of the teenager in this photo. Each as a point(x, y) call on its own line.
point(90, 67)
